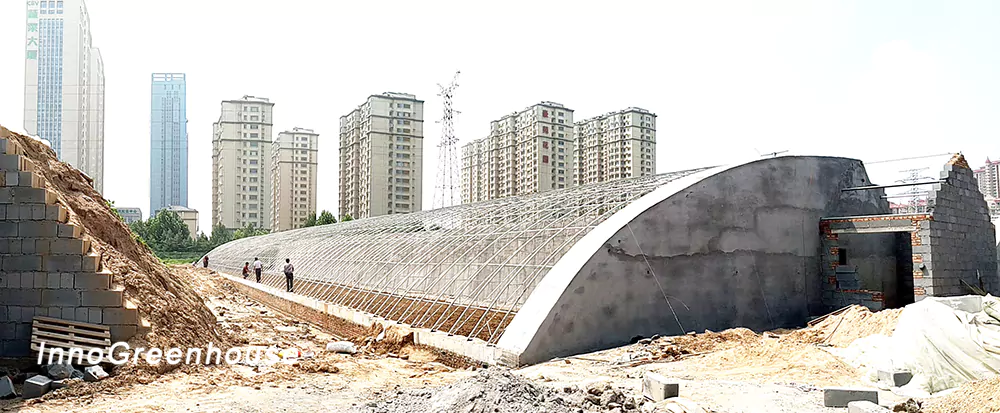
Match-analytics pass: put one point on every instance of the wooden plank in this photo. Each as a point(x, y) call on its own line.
point(824, 317)
point(103, 334)
point(70, 338)
point(58, 321)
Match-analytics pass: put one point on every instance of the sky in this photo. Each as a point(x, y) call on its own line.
point(729, 80)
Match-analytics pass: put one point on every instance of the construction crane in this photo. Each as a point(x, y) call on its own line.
point(447, 173)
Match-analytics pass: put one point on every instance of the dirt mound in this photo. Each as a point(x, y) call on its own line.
point(499, 390)
point(177, 315)
point(842, 329)
point(981, 396)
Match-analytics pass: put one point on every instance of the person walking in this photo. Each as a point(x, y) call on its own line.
point(289, 271)
point(246, 270)
point(257, 268)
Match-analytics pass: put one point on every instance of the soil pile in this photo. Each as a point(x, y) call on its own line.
point(177, 315)
point(842, 329)
point(499, 390)
point(974, 397)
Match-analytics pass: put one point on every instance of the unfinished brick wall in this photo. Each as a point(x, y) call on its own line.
point(47, 267)
point(959, 243)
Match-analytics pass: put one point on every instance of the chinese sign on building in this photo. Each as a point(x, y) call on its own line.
point(31, 48)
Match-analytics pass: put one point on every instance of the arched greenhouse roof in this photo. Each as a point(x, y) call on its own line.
point(465, 269)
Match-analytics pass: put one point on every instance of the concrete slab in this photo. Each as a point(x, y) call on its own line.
point(841, 396)
point(6, 388)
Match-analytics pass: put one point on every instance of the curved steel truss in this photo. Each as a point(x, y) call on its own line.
point(464, 269)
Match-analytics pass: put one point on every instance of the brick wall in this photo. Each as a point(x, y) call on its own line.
point(959, 243)
point(47, 267)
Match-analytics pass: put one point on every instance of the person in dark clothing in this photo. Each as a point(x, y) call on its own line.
point(204, 261)
point(246, 270)
point(289, 274)
point(257, 268)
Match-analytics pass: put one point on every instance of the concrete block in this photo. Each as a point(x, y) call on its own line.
point(94, 373)
point(43, 246)
point(54, 312)
point(13, 315)
point(6, 330)
point(91, 262)
point(8, 147)
point(21, 297)
point(27, 280)
point(69, 231)
point(22, 331)
point(54, 281)
point(55, 213)
point(63, 263)
point(15, 348)
point(67, 246)
point(897, 378)
point(37, 229)
point(6, 388)
point(68, 313)
point(37, 212)
point(95, 316)
point(657, 388)
point(92, 281)
point(12, 163)
point(27, 314)
point(4, 314)
point(61, 298)
point(14, 246)
point(36, 387)
point(123, 316)
point(841, 396)
point(865, 407)
point(8, 229)
point(67, 280)
point(101, 299)
point(10, 280)
point(29, 195)
point(81, 314)
point(122, 332)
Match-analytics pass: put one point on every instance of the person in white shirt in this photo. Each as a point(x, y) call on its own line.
point(257, 268)
point(289, 271)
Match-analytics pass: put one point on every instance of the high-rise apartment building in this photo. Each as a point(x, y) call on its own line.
point(64, 84)
point(988, 178)
point(615, 145)
point(293, 178)
point(526, 152)
point(168, 142)
point(381, 156)
point(241, 164)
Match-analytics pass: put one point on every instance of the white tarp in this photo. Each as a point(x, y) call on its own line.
point(943, 342)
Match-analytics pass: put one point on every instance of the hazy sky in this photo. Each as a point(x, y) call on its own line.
point(867, 79)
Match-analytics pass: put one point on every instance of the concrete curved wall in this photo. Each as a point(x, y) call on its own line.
point(729, 247)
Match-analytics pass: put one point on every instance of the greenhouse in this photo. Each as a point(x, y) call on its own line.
point(583, 268)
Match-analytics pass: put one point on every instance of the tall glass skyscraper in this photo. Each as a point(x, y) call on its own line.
point(168, 142)
point(64, 84)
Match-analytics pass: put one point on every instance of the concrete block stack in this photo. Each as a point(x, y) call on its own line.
point(959, 243)
point(47, 267)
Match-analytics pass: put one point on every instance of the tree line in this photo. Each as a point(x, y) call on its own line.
point(170, 239)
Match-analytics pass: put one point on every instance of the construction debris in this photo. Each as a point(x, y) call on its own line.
point(840, 396)
point(6, 388)
point(94, 373)
point(345, 347)
point(655, 387)
point(61, 371)
point(36, 387)
point(865, 407)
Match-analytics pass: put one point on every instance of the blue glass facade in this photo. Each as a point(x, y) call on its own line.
point(168, 142)
point(50, 79)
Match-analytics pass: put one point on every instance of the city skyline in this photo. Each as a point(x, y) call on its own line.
point(727, 80)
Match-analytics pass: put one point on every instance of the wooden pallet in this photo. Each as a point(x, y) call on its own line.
point(66, 335)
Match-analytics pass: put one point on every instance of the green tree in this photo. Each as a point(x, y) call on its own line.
point(166, 232)
point(250, 230)
point(220, 235)
point(347, 218)
point(326, 218)
point(310, 220)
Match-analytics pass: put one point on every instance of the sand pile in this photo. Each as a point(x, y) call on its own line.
point(974, 397)
point(177, 315)
point(842, 329)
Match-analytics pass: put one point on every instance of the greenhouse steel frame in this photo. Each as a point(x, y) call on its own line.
point(464, 270)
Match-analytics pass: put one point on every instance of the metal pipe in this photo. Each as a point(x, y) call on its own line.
point(865, 188)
